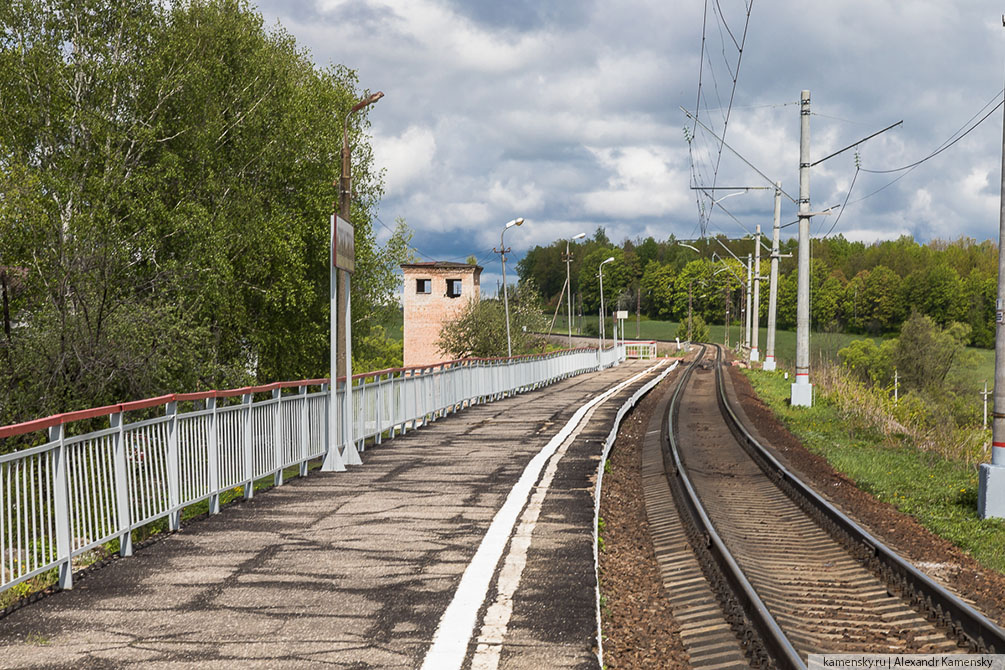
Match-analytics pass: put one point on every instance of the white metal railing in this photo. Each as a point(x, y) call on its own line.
point(76, 492)
point(640, 349)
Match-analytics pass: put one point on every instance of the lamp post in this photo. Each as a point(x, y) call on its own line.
point(602, 300)
point(339, 328)
point(502, 251)
point(568, 281)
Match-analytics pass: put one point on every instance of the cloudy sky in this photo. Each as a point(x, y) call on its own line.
point(567, 113)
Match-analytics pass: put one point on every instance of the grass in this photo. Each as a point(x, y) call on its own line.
point(976, 367)
point(940, 493)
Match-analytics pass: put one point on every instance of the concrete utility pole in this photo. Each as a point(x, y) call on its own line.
point(750, 278)
point(802, 390)
point(991, 483)
point(769, 358)
point(725, 340)
point(756, 313)
point(568, 281)
point(690, 303)
point(602, 319)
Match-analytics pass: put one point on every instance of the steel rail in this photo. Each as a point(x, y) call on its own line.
point(771, 635)
point(980, 632)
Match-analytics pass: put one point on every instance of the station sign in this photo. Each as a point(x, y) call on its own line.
point(344, 245)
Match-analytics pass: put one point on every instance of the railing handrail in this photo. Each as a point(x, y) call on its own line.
point(35, 425)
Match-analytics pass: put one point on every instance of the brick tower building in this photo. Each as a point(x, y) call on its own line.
point(433, 294)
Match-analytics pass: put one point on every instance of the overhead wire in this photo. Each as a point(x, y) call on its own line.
point(949, 142)
point(960, 133)
point(732, 93)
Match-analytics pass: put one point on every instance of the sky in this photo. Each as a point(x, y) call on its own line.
point(567, 113)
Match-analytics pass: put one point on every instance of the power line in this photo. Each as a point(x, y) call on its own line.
point(949, 142)
point(736, 77)
point(844, 205)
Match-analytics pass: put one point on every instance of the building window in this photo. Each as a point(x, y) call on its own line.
point(423, 285)
point(453, 288)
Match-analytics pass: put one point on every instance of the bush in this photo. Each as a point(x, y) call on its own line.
point(699, 330)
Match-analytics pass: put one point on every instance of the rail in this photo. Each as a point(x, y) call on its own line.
point(84, 488)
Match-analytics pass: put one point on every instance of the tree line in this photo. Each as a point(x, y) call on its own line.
point(855, 287)
point(166, 182)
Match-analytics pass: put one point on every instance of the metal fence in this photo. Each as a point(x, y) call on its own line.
point(640, 349)
point(77, 492)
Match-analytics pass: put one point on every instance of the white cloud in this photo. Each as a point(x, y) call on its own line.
point(406, 157)
point(641, 184)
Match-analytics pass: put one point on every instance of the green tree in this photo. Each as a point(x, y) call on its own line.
point(182, 160)
point(699, 329)
point(616, 278)
point(925, 353)
point(479, 330)
point(657, 287)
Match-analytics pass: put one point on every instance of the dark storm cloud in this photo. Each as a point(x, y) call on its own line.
point(524, 15)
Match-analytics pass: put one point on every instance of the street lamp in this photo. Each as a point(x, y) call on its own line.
point(568, 281)
point(339, 327)
point(502, 251)
point(602, 313)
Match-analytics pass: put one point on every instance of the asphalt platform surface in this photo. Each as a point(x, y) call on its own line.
point(356, 569)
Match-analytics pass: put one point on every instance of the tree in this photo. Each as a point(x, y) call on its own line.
point(699, 330)
point(616, 278)
point(480, 328)
point(182, 160)
point(925, 353)
point(657, 287)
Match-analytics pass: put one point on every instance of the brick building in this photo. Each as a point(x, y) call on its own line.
point(433, 294)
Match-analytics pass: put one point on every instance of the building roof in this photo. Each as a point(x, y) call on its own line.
point(447, 265)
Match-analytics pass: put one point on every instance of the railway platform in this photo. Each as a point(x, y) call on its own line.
point(466, 543)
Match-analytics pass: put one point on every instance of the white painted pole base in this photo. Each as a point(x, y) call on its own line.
point(769, 364)
point(333, 461)
point(754, 355)
point(350, 455)
point(991, 491)
point(802, 394)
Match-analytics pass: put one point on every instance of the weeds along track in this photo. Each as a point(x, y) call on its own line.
point(793, 575)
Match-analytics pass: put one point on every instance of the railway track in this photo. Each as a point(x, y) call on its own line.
point(792, 575)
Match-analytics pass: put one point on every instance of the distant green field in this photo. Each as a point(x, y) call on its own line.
point(823, 346)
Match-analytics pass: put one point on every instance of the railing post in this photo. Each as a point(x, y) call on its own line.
point(249, 448)
point(121, 486)
point(304, 430)
point(379, 395)
point(62, 496)
point(173, 468)
point(277, 436)
point(213, 457)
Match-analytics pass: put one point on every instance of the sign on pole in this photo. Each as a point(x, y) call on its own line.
point(344, 245)
point(621, 314)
